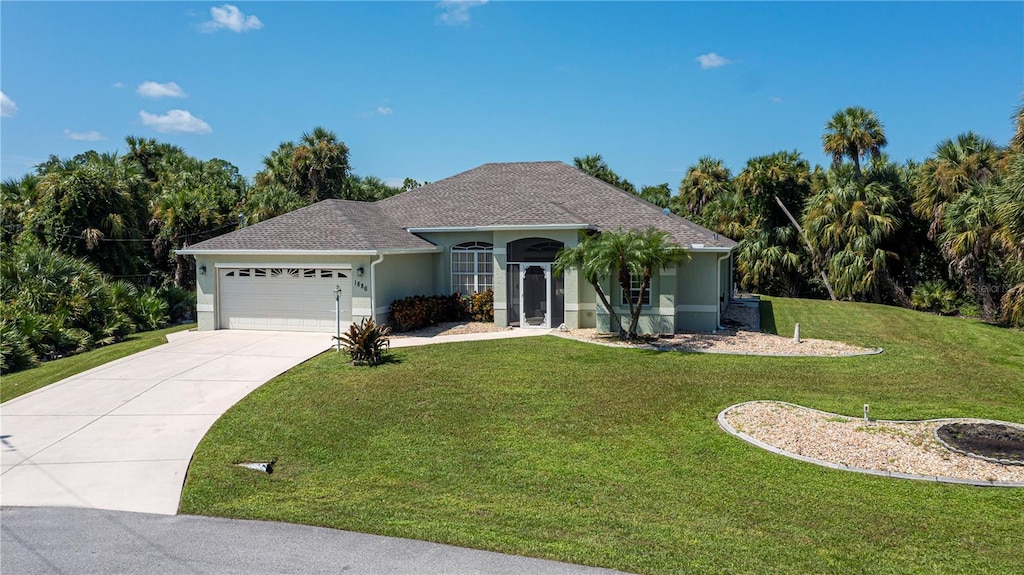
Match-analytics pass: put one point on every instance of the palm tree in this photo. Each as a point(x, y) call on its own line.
point(581, 258)
point(660, 195)
point(853, 133)
point(320, 165)
point(594, 165)
point(770, 257)
point(197, 202)
point(18, 199)
point(704, 181)
point(277, 167)
point(726, 214)
point(1010, 213)
point(848, 225)
point(631, 254)
point(266, 201)
point(90, 199)
point(971, 234)
point(955, 167)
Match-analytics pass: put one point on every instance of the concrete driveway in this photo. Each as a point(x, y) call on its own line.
point(120, 436)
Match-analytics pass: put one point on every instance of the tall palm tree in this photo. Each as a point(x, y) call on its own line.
point(854, 133)
point(726, 214)
point(956, 166)
point(277, 167)
point(197, 202)
point(704, 181)
point(848, 225)
point(1011, 217)
point(266, 201)
point(320, 164)
point(969, 241)
point(594, 165)
point(770, 258)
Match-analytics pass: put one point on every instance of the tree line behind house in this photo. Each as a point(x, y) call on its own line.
point(98, 232)
point(89, 244)
point(945, 235)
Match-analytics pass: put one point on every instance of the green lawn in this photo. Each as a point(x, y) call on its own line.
point(612, 457)
point(22, 382)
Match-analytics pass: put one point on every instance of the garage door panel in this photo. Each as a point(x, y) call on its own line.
point(288, 299)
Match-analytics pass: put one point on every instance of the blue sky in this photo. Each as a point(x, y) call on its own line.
point(429, 89)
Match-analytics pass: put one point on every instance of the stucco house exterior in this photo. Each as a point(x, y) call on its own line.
point(498, 226)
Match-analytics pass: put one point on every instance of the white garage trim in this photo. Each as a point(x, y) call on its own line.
point(244, 265)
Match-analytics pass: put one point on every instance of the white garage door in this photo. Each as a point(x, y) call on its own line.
point(285, 299)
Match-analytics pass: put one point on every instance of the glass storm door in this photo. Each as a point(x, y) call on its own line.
point(535, 295)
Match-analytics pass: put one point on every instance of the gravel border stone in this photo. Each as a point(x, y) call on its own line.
point(886, 448)
point(728, 342)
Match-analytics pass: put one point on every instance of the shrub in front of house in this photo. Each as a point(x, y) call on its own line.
point(421, 311)
point(366, 342)
point(479, 306)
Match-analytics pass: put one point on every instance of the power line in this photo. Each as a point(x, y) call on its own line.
point(82, 237)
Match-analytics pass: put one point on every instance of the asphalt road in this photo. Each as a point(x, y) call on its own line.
point(94, 541)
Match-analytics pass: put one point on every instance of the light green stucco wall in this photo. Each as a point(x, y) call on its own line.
point(402, 275)
point(685, 298)
point(700, 290)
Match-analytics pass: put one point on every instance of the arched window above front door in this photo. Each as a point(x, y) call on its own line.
point(534, 250)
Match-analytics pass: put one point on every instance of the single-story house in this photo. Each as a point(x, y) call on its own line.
point(498, 226)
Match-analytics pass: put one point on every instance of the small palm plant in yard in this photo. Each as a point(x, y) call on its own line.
point(934, 296)
point(366, 342)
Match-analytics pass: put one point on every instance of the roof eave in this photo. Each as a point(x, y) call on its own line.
point(705, 248)
point(300, 252)
point(502, 228)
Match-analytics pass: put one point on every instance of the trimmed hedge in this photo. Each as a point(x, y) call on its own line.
point(420, 311)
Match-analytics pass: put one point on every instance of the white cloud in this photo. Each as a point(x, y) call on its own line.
point(7, 106)
point(157, 90)
point(711, 60)
point(90, 136)
point(175, 122)
point(378, 111)
point(118, 85)
point(456, 12)
point(776, 100)
point(231, 18)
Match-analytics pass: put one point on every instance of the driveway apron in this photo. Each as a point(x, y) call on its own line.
point(120, 436)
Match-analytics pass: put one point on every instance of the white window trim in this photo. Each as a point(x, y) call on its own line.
point(476, 248)
point(634, 286)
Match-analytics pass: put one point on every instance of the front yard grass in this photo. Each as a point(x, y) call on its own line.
point(22, 382)
point(612, 457)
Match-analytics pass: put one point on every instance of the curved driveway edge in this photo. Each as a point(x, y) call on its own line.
point(48, 541)
point(121, 435)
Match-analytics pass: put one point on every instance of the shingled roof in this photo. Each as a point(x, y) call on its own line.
point(541, 194)
point(330, 225)
point(492, 196)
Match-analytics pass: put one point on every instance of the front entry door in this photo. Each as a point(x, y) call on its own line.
point(535, 295)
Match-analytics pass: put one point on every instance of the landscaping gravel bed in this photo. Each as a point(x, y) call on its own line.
point(730, 341)
point(900, 447)
point(452, 328)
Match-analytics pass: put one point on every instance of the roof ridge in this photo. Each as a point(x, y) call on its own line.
point(558, 206)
